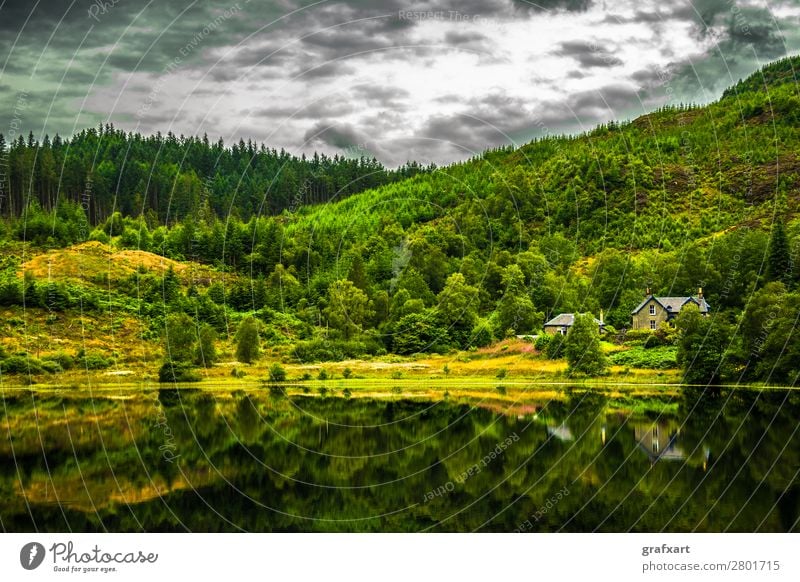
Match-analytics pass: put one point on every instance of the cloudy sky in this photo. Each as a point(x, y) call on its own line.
point(398, 79)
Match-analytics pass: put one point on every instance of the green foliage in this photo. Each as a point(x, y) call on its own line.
point(277, 373)
point(21, 364)
point(348, 309)
point(248, 343)
point(779, 259)
point(703, 347)
point(323, 374)
point(542, 342)
point(582, 347)
point(178, 372)
point(93, 361)
point(555, 346)
point(418, 332)
point(320, 350)
point(180, 338)
point(206, 351)
point(658, 358)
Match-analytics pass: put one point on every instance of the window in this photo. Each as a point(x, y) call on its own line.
point(652, 310)
point(652, 324)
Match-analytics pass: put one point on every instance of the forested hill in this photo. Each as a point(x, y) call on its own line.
point(661, 181)
point(681, 198)
point(170, 178)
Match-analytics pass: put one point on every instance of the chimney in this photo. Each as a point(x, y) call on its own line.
point(647, 292)
point(700, 293)
point(601, 317)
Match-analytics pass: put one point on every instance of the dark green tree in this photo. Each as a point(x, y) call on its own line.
point(582, 347)
point(180, 338)
point(206, 352)
point(779, 264)
point(248, 343)
point(703, 347)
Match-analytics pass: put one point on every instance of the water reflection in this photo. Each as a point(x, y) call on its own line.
point(230, 461)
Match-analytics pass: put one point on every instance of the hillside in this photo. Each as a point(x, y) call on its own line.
point(459, 257)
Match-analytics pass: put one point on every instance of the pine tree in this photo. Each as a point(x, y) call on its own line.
point(779, 260)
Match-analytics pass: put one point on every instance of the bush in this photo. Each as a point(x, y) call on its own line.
point(323, 374)
point(21, 365)
point(542, 342)
point(555, 347)
point(482, 334)
point(63, 359)
point(277, 373)
point(661, 358)
point(10, 291)
point(248, 344)
point(178, 372)
point(51, 367)
point(335, 350)
point(94, 361)
point(347, 373)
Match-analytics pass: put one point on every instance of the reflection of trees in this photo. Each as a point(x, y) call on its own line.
point(300, 457)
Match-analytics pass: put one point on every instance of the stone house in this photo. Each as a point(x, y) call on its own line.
point(652, 311)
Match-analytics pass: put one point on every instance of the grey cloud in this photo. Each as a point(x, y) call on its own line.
point(382, 96)
point(328, 108)
point(321, 71)
point(588, 54)
point(593, 104)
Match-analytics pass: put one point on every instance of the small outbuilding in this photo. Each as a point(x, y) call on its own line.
point(561, 323)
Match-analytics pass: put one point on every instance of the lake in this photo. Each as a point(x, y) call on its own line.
point(221, 460)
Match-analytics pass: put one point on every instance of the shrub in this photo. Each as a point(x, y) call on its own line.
point(178, 372)
point(335, 350)
point(347, 373)
point(21, 364)
point(661, 358)
point(323, 374)
point(94, 361)
point(555, 347)
point(10, 291)
point(63, 359)
point(277, 373)
point(582, 347)
point(542, 342)
point(248, 344)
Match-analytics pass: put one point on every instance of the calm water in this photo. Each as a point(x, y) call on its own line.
point(200, 461)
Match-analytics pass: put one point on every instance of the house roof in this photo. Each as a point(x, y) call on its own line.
point(673, 304)
point(566, 320)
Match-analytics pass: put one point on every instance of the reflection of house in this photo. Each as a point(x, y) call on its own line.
point(560, 431)
point(561, 323)
point(651, 312)
point(659, 441)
